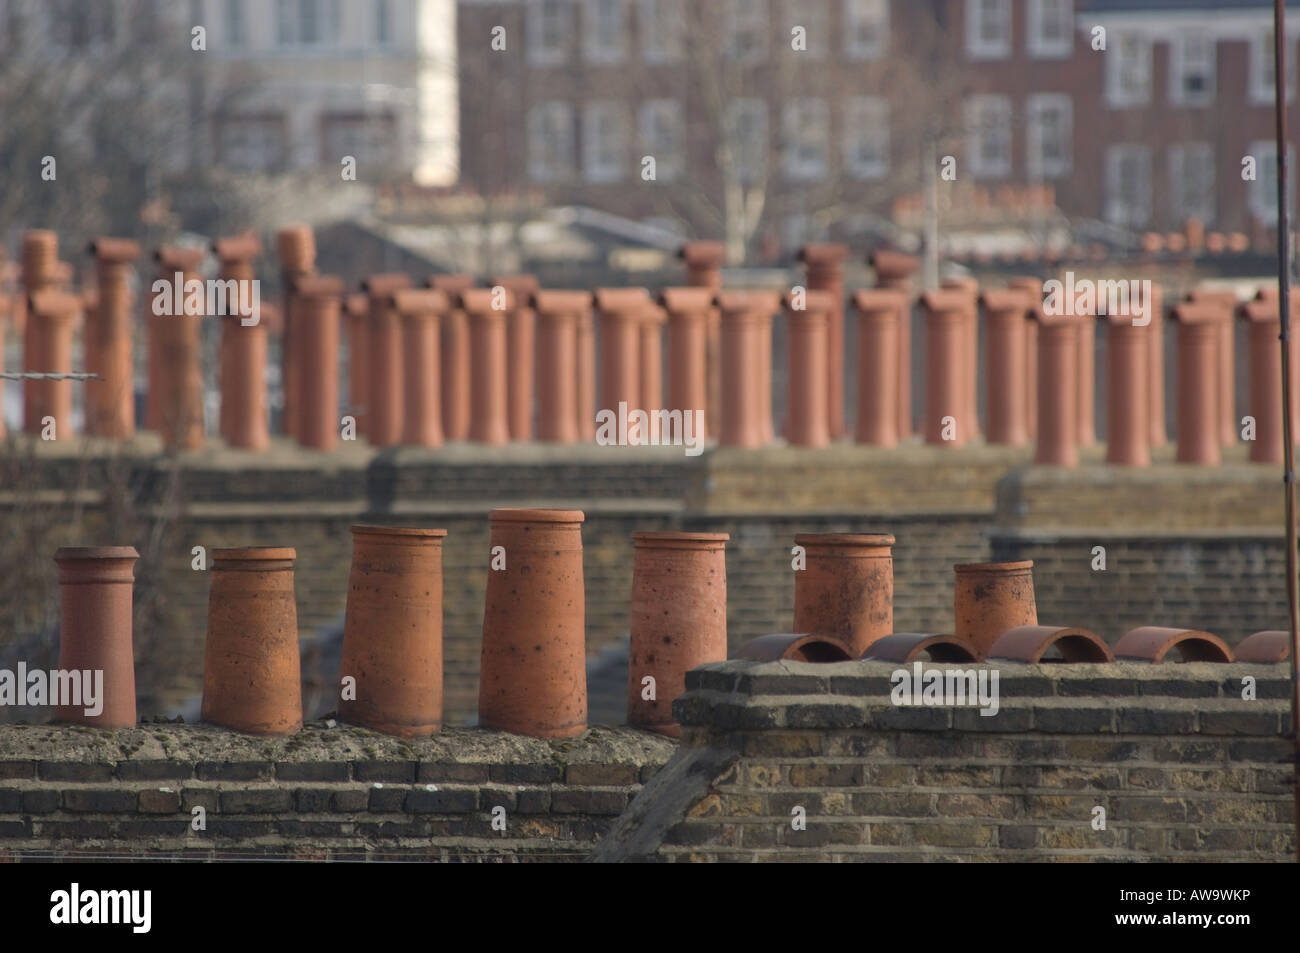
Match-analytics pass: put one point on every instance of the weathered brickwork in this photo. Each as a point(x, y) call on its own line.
point(1183, 767)
point(329, 793)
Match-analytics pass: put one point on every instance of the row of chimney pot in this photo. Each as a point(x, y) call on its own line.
point(442, 363)
point(533, 662)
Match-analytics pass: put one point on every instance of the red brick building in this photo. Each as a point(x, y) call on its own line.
point(789, 120)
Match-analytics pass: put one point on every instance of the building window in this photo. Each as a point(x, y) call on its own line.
point(1261, 70)
point(745, 129)
point(988, 29)
point(604, 31)
point(746, 29)
point(79, 25)
point(255, 144)
point(814, 17)
point(866, 137)
point(661, 23)
point(1191, 181)
point(383, 22)
point(1049, 127)
point(307, 22)
point(549, 26)
point(1128, 71)
point(1191, 70)
point(988, 124)
point(866, 29)
point(235, 24)
point(807, 128)
point(371, 139)
point(604, 142)
point(663, 135)
point(1261, 197)
point(1049, 30)
point(1128, 185)
point(550, 142)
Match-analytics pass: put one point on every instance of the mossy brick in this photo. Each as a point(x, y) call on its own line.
point(1081, 778)
point(99, 800)
point(1072, 719)
point(856, 744)
point(1265, 750)
point(954, 835)
point(312, 771)
point(206, 798)
point(759, 835)
point(350, 800)
point(748, 717)
point(157, 801)
point(17, 770)
point(1188, 751)
point(234, 771)
point(312, 800)
point(956, 776)
point(445, 800)
point(393, 830)
point(893, 804)
point(239, 828)
point(296, 827)
point(397, 772)
point(1228, 810)
point(1102, 749)
point(697, 833)
point(438, 772)
point(975, 805)
point(1017, 837)
point(588, 801)
point(599, 774)
point(888, 775)
point(1235, 780)
point(1077, 837)
point(936, 746)
point(153, 827)
point(84, 771)
point(256, 801)
point(781, 804)
point(496, 795)
point(783, 744)
point(11, 801)
point(155, 770)
point(14, 829)
point(1020, 776)
point(1242, 722)
point(1142, 809)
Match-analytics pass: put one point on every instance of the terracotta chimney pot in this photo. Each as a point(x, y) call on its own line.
point(521, 332)
point(947, 337)
point(847, 588)
point(175, 405)
point(990, 598)
point(244, 422)
point(1199, 398)
point(1006, 317)
point(454, 335)
point(808, 418)
point(1033, 288)
point(318, 299)
point(746, 335)
point(1058, 391)
point(251, 673)
point(52, 318)
point(689, 313)
point(1227, 301)
point(533, 672)
point(356, 309)
point(651, 371)
point(1127, 417)
point(1264, 327)
point(392, 630)
point(557, 363)
point(419, 310)
point(824, 264)
point(621, 312)
point(880, 317)
point(95, 628)
point(489, 412)
point(704, 261)
point(384, 343)
point(678, 619)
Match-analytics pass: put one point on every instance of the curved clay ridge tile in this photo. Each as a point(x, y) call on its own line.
point(794, 648)
point(1271, 645)
point(1029, 643)
point(1151, 643)
point(906, 647)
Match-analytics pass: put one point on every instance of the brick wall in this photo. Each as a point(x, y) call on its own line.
point(328, 793)
point(1184, 768)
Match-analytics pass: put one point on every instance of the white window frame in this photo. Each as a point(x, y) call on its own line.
point(1261, 194)
point(858, 12)
point(536, 27)
point(596, 47)
point(604, 141)
point(799, 115)
point(541, 118)
point(1133, 211)
point(670, 161)
point(1260, 87)
point(1118, 62)
point(1048, 48)
point(977, 108)
point(758, 108)
point(660, 25)
point(1180, 62)
point(977, 46)
point(747, 15)
point(866, 118)
point(1037, 164)
point(1201, 192)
